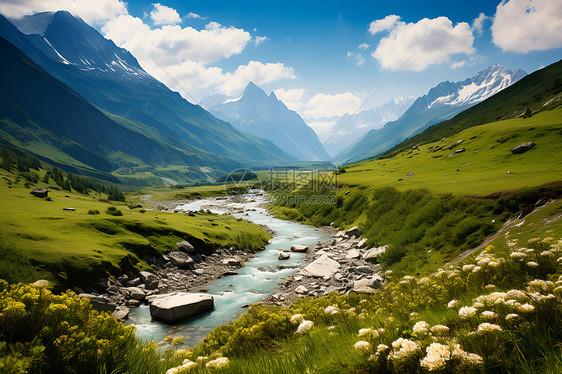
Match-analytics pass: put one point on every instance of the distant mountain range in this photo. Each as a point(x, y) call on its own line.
point(442, 102)
point(111, 79)
point(353, 127)
point(267, 117)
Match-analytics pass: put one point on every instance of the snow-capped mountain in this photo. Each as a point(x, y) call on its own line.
point(442, 102)
point(354, 127)
point(110, 78)
point(267, 117)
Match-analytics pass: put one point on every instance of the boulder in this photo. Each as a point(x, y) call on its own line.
point(460, 150)
point(323, 267)
point(301, 290)
point(40, 192)
point(185, 246)
point(283, 256)
point(100, 303)
point(136, 293)
point(354, 231)
point(353, 253)
point(150, 280)
point(373, 253)
point(175, 307)
point(522, 148)
point(121, 312)
point(180, 259)
point(43, 283)
point(367, 284)
point(55, 188)
point(299, 248)
point(134, 282)
point(234, 262)
point(362, 243)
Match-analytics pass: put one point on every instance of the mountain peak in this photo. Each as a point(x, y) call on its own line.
point(253, 90)
point(272, 96)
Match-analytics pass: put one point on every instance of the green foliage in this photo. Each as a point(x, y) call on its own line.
point(239, 176)
point(14, 265)
point(45, 333)
point(113, 211)
point(93, 211)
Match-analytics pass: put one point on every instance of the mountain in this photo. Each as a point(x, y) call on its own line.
point(354, 127)
point(212, 100)
point(442, 102)
point(537, 92)
point(267, 117)
point(43, 115)
point(110, 78)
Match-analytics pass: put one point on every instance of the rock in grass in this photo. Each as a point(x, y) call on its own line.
point(301, 290)
point(522, 148)
point(299, 248)
point(367, 285)
point(180, 259)
point(354, 231)
point(40, 192)
point(185, 246)
point(373, 253)
point(175, 307)
point(41, 283)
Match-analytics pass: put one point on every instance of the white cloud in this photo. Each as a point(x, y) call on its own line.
point(386, 23)
point(256, 72)
point(164, 15)
point(322, 105)
point(260, 39)
point(358, 57)
point(90, 11)
point(478, 23)
point(363, 46)
point(292, 98)
point(426, 42)
point(458, 64)
point(528, 25)
point(194, 15)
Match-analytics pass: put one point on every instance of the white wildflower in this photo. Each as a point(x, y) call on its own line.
point(478, 305)
point(381, 348)
point(436, 358)
point(489, 314)
point(476, 269)
point(362, 346)
point(511, 316)
point(305, 326)
point(488, 327)
point(440, 329)
point(468, 267)
point(517, 295)
point(297, 318)
point(517, 255)
point(532, 264)
point(453, 304)
point(526, 308)
point(218, 363)
point(331, 327)
point(421, 328)
point(403, 350)
point(467, 312)
point(364, 332)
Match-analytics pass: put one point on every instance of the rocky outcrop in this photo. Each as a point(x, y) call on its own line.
point(373, 253)
point(40, 192)
point(99, 302)
point(150, 280)
point(173, 308)
point(522, 148)
point(185, 246)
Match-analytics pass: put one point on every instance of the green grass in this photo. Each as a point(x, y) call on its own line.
point(70, 246)
point(480, 170)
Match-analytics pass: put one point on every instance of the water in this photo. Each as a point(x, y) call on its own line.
point(249, 286)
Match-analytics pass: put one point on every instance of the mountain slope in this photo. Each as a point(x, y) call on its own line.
point(441, 103)
point(43, 115)
point(267, 117)
point(111, 78)
point(354, 127)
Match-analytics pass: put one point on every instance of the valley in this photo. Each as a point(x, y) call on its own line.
point(358, 190)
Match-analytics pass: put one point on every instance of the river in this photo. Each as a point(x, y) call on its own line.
point(250, 285)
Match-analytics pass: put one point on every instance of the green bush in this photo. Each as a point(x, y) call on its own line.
point(93, 211)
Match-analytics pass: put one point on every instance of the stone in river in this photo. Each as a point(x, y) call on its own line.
point(175, 307)
point(299, 248)
point(283, 256)
point(323, 267)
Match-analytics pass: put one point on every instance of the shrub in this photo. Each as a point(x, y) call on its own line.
point(93, 211)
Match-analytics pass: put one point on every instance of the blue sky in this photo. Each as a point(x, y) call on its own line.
point(309, 51)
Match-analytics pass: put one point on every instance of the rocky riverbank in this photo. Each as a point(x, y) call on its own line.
point(343, 264)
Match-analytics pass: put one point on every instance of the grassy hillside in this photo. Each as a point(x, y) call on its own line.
point(72, 247)
point(481, 169)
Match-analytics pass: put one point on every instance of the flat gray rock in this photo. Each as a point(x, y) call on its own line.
point(175, 307)
point(180, 259)
point(324, 266)
point(373, 253)
point(299, 248)
point(99, 303)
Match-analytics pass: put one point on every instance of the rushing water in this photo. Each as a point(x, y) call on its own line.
point(249, 286)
